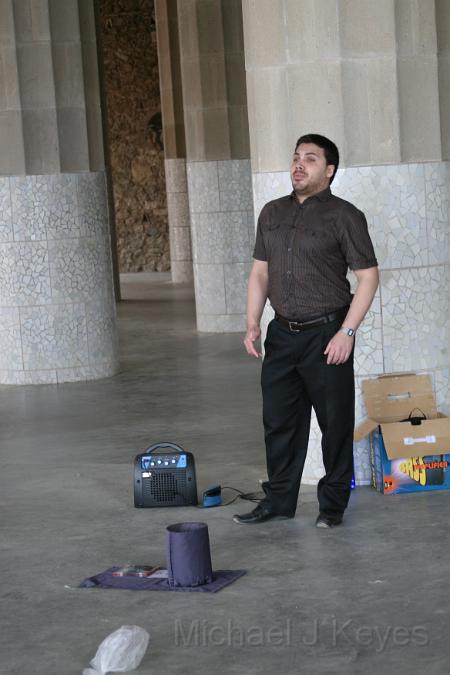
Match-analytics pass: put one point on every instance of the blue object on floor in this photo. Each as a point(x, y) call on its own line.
point(212, 496)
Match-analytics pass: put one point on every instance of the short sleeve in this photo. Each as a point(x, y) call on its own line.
point(259, 252)
point(355, 240)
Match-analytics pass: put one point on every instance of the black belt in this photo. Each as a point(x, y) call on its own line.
point(298, 326)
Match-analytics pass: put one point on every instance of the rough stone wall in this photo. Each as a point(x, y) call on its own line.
point(130, 60)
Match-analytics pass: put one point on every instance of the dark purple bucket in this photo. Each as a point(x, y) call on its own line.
point(188, 555)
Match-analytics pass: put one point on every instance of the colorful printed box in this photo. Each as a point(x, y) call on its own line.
point(409, 438)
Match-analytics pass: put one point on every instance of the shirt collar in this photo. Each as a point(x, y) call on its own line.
point(321, 196)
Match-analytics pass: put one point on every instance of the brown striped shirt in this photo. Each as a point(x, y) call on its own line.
point(309, 248)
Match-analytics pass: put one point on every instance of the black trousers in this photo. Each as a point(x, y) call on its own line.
point(296, 378)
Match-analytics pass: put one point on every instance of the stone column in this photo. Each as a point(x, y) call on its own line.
point(373, 77)
point(56, 296)
point(174, 140)
point(217, 150)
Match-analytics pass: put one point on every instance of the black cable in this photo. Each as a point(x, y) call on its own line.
point(247, 496)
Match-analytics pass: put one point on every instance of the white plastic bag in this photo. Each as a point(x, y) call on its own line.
point(120, 652)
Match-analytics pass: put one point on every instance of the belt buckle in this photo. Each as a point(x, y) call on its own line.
point(294, 323)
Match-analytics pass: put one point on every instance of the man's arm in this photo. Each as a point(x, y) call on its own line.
point(340, 346)
point(258, 285)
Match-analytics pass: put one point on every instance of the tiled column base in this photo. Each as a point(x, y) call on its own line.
point(222, 228)
point(179, 225)
point(57, 308)
point(408, 326)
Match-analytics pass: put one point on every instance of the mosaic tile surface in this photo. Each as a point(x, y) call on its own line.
point(360, 406)
point(10, 339)
point(235, 185)
point(362, 462)
point(368, 345)
point(416, 318)
point(209, 289)
point(369, 339)
point(221, 323)
point(48, 270)
point(101, 332)
point(361, 450)
point(203, 187)
point(437, 192)
point(442, 389)
point(236, 277)
point(268, 186)
point(6, 231)
point(54, 336)
point(44, 207)
point(393, 200)
point(79, 269)
point(406, 207)
point(220, 237)
point(24, 274)
point(92, 204)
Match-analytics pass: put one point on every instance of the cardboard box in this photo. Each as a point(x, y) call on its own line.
point(405, 457)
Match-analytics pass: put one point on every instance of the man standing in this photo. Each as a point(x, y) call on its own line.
point(305, 243)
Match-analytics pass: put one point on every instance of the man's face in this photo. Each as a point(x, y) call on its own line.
point(310, 172)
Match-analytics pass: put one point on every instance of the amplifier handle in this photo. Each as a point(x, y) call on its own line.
point(166, 444)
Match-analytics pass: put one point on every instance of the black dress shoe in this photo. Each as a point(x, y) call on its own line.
point(259, 515)
point(325, 522)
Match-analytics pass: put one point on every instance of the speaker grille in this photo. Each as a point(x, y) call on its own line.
point(166, 487)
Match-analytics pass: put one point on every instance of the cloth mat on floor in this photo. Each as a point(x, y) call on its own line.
point(221, 578)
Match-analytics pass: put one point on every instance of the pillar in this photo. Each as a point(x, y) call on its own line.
point(218, 166)
point(166, 13)
point(374, 78)
point(57, 306)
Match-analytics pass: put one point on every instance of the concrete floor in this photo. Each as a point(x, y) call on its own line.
point(369, 597)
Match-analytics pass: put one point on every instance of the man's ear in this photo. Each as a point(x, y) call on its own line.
point(330, 170)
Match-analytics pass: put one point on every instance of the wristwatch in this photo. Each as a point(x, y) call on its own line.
point(348, 331)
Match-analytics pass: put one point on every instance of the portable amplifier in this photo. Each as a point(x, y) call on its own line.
point(164, 475)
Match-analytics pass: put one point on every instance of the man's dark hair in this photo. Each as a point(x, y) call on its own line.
point(329, 148)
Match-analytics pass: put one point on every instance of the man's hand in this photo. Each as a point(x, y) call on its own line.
point(253, 334)
point(339, 349)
